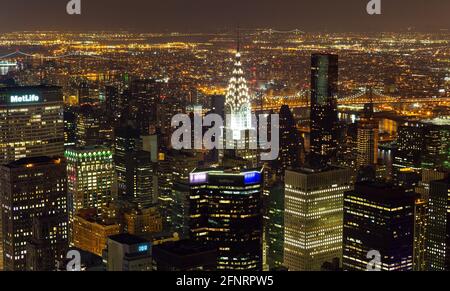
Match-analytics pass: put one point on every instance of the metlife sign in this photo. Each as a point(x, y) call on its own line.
point(28, 98)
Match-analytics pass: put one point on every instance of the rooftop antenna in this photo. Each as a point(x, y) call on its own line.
point(238, 39)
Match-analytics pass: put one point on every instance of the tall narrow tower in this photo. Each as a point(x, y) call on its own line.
point(324, 117)
point(367, 150)
point(240, 133)
point(238, 99)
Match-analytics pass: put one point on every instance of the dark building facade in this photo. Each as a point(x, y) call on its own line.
point(275, 226)
point(134, 168)
point(437, 254)
point(226, 213)
point(184, 255)
point(324, 117)
point(291, 142)
point(34, 213)
point(378, 217)
point(410, 146)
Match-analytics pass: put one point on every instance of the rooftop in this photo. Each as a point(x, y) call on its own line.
point(219, 170)
point(33, 161)
point(184, 248)
point(128, 239)
point(382, 192)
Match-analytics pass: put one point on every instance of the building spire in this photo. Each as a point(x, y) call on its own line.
point(238, 96)
point(238, 40)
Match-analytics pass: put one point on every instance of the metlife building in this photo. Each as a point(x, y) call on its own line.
point(31, 122)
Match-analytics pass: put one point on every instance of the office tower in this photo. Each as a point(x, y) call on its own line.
point(239, 131)
point(167, 108)
point(420, 229)
point(275, 226)
point(113, 103)
point(291, 143)
point(313, 216)
point(134, 168)
point(367, 138)
point(408, 179)
point(218, 105)
point(70, 128)
point(226, 213)
point(173, 185)
point(142, 106)
point(438, 235)
point(85, 95)
point(378, 217)
point(88, 126)
point(429, 175)
point(126, 252)
point(91, 230)
point(410, 147)
point(38, 127)
point(180, 208)
point(92, 127)
point(183, 256)
point(150, 143)
point(90, 174)
point(34, 205)
point(324, 118)
point(43, 249)
point(421, 216)
point(436, 153)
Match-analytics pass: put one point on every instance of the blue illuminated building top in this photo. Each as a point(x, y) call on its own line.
point(252, 178)
point(225, 177)
point(143, 248)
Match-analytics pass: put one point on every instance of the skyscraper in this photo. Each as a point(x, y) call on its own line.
point(218, 105)
point(436, 153)
point(367, 138)
point(226, 212)
point(92, 127)
point(378, 217)
point(90, 174)
point(31, 119)
point(134, 168)
point(34, 206)
point(240, 133)
point(291, 143)
point(420, 232)
point(324, 118)
point(313, 216)
point(173, 185)
point(410, 146)
point(274, 226)
point(437, 254)
point(238, 100)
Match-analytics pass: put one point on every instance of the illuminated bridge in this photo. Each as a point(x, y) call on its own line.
point(301, 99)
point(67, 55)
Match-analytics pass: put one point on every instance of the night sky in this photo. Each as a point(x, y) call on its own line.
point(210, 15)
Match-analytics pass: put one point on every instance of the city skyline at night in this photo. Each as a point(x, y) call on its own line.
point(244, 138)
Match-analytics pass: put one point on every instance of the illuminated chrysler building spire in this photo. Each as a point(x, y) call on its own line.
point(238, 99)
